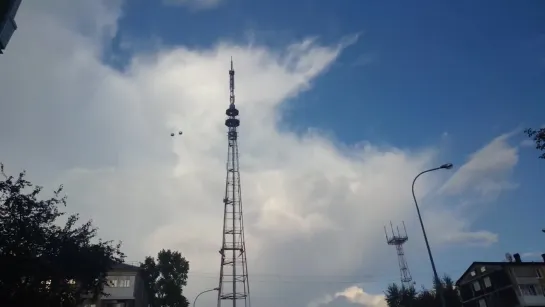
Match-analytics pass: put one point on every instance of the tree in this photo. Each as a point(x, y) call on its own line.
point(400, 296)
point(450, 293)
point(393, 295)
point(166, 278)
point(427, 298)
point(42, 263)
point(408, 297)
point(538, 136)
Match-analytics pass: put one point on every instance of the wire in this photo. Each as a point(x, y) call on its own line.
point(313, 281)
point(203, 273)
point(286, 275)
point(264, 277)
point(304, 278)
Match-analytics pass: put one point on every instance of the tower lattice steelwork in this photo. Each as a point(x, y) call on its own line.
point(398, 240)
point(234, 287)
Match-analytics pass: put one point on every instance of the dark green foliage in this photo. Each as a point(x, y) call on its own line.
point(42, 263)
point(408, 297)
point(400, 296)
point(166, 278)
point(538, 136)
point(452, 297)
point(426, 298)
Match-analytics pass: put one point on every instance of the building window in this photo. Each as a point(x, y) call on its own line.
point(476, 286)
point(119, 282)
point(472, 273)
point(113, 283)
point(482, 303)
point(483, 269)
point(538, 273)
point(125, 283)
point(487, 282)
point(528, 290)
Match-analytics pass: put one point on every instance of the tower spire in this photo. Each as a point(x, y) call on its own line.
point(398, 240)
point(233, 281)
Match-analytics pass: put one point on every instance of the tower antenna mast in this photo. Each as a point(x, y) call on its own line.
point(234, 286)
point(398, 240)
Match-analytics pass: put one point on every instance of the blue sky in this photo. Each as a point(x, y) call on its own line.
point(469, 69)
point(462, 68)
point(424, 83)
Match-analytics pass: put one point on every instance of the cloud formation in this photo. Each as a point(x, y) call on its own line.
point(353, 295)
point(310, 205)
point(485, 171)
point(193, 4)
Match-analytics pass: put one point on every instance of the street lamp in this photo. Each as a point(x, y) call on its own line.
point(215, 289)
point(437, 281)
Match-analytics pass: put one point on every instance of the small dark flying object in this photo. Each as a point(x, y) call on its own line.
point(179, 133)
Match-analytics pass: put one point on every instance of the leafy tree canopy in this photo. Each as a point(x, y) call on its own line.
point(397, 296)
point(538, 136)
point(165, 279)
point(42, 263)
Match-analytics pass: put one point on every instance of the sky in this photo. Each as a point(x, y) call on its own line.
point(342, 104)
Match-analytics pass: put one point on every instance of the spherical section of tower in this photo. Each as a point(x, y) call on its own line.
point(232, 122)
point(232, 111)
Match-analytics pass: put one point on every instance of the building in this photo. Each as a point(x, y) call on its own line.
point(503, 284)
point(125, 288)
point(8, 10)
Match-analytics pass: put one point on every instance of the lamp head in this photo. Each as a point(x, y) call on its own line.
point(447, 166)
point(216, 289)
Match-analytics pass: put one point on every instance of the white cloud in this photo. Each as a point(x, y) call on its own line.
point(527, 143)
point(310, 206)
point(487, 171)
point(480, 238)
point(355, 295)
point(531, 256)
point(194, 4)
point(365, 59)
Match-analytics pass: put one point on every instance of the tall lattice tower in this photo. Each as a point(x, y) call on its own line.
point(233, 284)
point(398, 240)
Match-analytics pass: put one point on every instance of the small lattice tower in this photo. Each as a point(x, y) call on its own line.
point(234, 287)
point(398, 240)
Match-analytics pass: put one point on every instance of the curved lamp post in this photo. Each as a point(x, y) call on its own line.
point(438, 282)
point(215, 289)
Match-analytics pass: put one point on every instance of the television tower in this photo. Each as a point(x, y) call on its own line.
point(233, 284)
point(398, 240)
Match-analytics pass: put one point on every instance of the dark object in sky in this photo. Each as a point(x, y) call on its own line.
point(179, 133)
point(8, 10)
